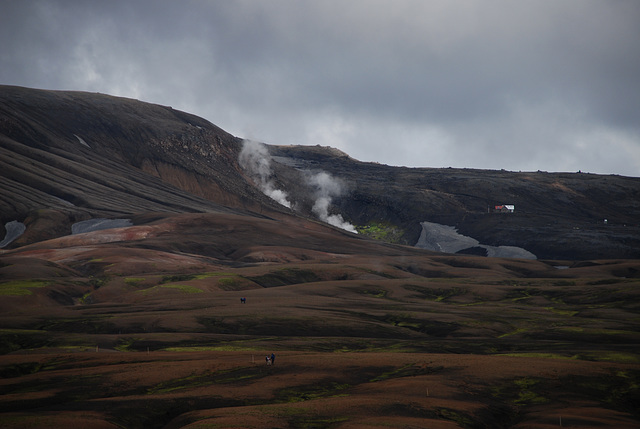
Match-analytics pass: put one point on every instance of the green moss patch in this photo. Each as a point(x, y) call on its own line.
point(538, 355)
point(562, 312)
point(285, 277)
point(433, 328)
point(125, 344)
point(230, 283)
point(180, 287)
point(619, 390)
point(314, 421)
point(80, 325)
point(183, 288)
point(374, 292)
point(21, 287)
point(527, 393)
point(521, 391)
point(515, 332)
point(383, 232)
point(409, 370)
point(436, 294)
point(134, 281)
point(237, 375)
point(611, 356)
point(21, 339)
point(414, 410)
point(20, 369)
point(177, 278)
point(310, 392)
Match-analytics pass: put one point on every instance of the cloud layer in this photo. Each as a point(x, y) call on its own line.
point(527, 85)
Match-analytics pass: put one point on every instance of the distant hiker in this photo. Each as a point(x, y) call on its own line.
point(268, 359)
point(273, 358)
point(243, 300)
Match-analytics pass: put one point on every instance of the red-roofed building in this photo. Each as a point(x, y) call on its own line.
point(505, 208)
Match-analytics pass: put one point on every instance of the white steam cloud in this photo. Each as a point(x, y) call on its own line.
point(255, 159)
point(327, 187)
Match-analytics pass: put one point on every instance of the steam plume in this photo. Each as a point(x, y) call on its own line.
point(255, 159)
point(327, 187)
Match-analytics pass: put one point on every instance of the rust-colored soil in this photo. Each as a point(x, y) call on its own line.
point(307, 389)
point(144, 328)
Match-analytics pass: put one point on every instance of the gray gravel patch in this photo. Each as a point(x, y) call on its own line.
point(14, 230)
point(444, 238)
point(99, 224)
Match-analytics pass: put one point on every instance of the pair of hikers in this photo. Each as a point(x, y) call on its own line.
point(270, 359)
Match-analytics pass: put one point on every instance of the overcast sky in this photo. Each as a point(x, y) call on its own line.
point(500, 84)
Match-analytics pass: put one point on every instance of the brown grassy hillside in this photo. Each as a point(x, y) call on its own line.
point(143, 327)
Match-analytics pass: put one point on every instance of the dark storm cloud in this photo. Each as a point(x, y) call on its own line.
point(521, 85)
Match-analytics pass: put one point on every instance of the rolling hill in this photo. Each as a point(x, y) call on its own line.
point(162, 259)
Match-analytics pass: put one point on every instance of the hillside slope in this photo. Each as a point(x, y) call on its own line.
point(557, 215)
point(166, 324)
point(69, 156)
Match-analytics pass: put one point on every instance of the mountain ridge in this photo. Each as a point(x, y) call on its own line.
point(69, 156)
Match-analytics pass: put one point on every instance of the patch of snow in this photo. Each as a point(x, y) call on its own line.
point(99, 224)
point(14, 230)
point(81, 140)
point(444, 238)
